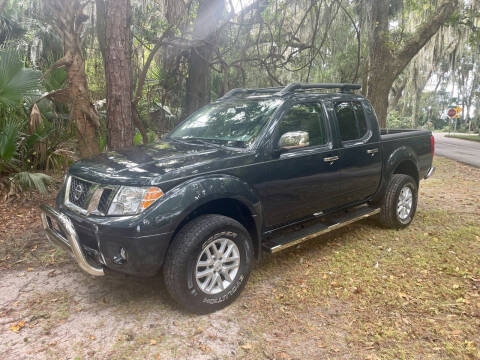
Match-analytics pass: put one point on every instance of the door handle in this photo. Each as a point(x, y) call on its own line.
point(372, 151)
point(331, 159)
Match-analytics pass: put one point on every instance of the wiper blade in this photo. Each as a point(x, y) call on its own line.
point(211, 143)
point(189, 140)
point(225, 143)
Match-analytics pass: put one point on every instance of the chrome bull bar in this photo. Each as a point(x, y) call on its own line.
point(68, 240)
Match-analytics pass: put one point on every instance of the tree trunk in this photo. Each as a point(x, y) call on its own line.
point(67, 19)
point(82, 110)
point(378, 96)
point(385, 64)
point(420, 81)
point(100, 25)
point(416, 108)
point(398, 93)
point(198, 81)
point(379, 78)
point(118, 74)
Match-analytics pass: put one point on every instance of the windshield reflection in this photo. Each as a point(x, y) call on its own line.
point(235, 123)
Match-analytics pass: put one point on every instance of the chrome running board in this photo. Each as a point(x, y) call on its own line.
point(293, 238)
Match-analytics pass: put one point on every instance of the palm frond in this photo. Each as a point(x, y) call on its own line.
point(9, 135)
point(16, 81)
point(55, 79)
point(27, 180)
point(9, 29)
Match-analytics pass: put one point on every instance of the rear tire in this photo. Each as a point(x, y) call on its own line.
point(208, 263)
point(399, 205)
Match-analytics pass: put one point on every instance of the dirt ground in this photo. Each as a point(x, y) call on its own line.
point(362, 292)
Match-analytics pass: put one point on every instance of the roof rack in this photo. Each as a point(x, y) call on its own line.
point(344, 88)
point(281, 91)
point(241, 91)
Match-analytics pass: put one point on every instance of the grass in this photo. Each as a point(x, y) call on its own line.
point(465, 137)
point(362, 292)
point(403, 294)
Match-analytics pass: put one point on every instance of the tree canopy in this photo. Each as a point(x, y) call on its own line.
point(108, 74)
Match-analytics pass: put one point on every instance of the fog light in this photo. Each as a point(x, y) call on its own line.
point(121, 258)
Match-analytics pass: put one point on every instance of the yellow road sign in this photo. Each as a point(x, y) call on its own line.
point(458, 109)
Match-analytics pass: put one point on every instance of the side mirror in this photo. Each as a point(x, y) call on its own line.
point(293, 140)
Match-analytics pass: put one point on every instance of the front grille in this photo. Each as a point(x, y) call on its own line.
point(79, 190)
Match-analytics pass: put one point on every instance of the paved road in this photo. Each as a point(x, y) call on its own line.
point(464, 151)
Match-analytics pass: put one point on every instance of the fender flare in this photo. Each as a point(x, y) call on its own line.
point(399, 155)
point(179, 202)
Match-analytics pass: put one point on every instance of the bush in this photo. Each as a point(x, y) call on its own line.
point(17, 84)
point(395, 120)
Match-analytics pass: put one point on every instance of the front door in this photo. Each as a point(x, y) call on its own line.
point(300, 182)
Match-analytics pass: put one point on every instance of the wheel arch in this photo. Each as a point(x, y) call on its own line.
point(407, 167)
point(230, 207)
point(216, 194)
point(403, 161)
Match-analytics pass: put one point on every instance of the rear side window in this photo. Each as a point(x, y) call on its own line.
point(351, 120)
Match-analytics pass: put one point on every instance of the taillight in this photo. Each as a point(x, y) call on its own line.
point(432, 145)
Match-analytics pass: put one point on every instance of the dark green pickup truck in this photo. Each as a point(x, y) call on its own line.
point(255, 171)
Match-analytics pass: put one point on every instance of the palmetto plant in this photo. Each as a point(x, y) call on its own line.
point(9, 138)
point(16, 81)
point(9, 29)
point(17, 85)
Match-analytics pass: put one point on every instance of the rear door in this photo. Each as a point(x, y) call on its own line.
point(360, 158)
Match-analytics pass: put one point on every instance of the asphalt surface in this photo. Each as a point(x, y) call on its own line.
point(465, 151)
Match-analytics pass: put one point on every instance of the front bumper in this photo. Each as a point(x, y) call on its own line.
point(100, 244)
point(66, 238)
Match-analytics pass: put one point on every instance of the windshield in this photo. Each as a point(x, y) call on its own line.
point(236, 123)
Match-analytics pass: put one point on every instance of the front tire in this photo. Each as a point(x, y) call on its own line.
point(400, 202)
point(208, 263)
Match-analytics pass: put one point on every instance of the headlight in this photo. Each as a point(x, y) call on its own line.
point(131, 200)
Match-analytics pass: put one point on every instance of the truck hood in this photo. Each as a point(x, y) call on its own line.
point(155, 163)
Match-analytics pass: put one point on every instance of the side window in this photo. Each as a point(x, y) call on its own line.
point(360, 115)
point(305, 117)
point(351, 120)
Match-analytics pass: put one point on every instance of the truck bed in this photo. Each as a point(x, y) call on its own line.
point(416, 141)
point(405, 132)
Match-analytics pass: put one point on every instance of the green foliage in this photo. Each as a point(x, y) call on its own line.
point(27, 180)
point(13, 144)
point(9, 131)
point(55, 79)
point(274, 42)
point(9, 29)
point(396, 121)
point(466, 137)
point(16, 146)
point(137, 139)
point(16, 81)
